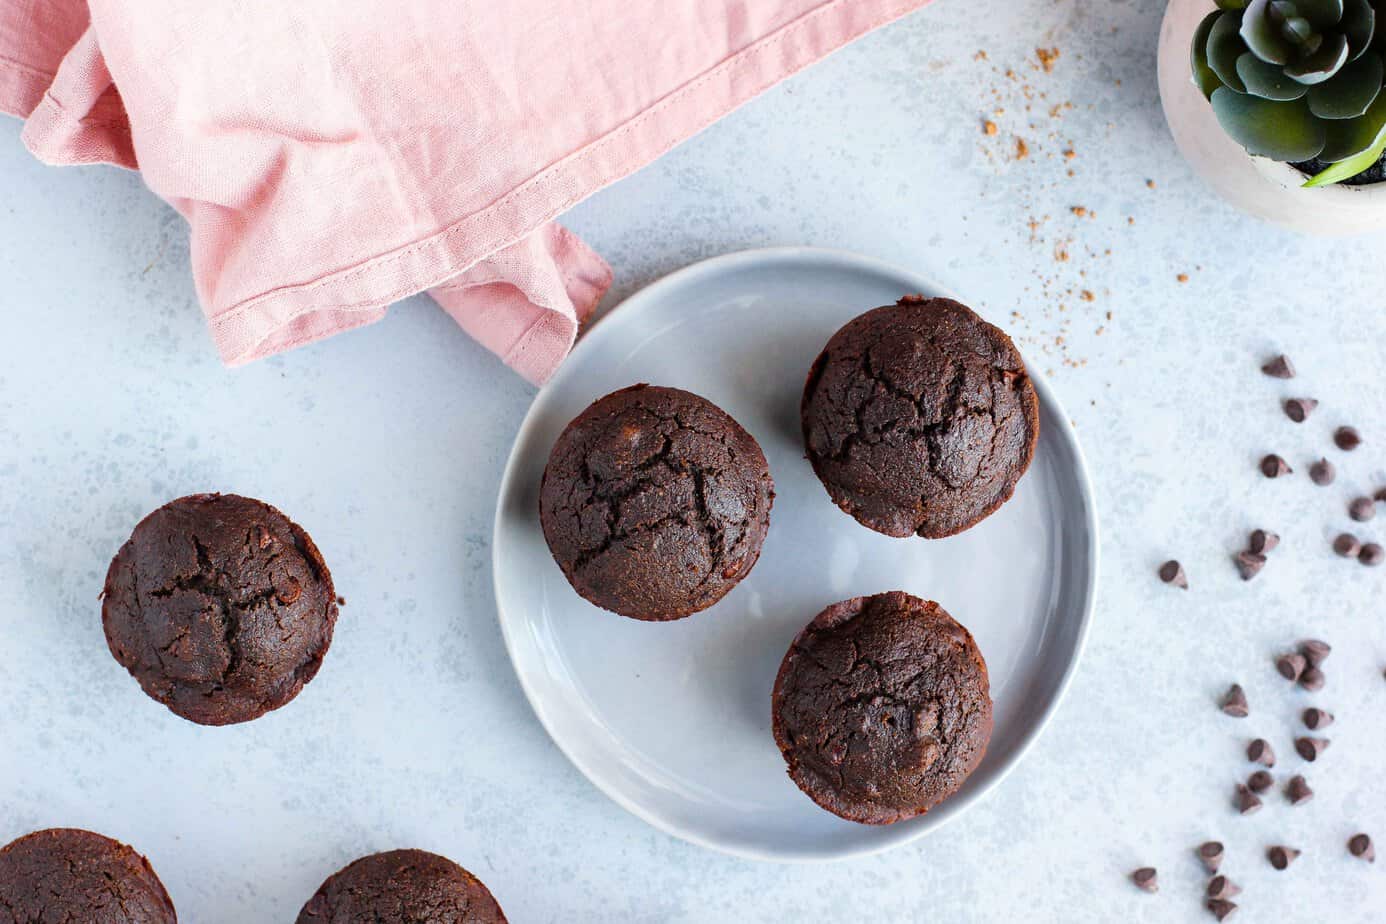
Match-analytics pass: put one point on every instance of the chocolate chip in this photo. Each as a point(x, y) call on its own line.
point(1279, 368)
point(1260, 781)
point(1260, 752)
point(1312, 679)
point(1298, 791)
point(1347, 545)
point(1272, 466)
point(1210, 855)
point(1262, 541)
point(1380, 494)
point(1290, 666)
point(1322, 473)
point(1145, 878)
point(1221, 908)
point(1247, 801)
point(1314, 719)
point(1171, 572)
point(1371, 555)
point(1311, 748)
point(1281, 857)
point(1234, 702)
point(1360, 846)
point(1315, 652)
point(1249, 564)
point(1347, 438)
point(1222, 887)
point(1299, 409)
point(1362, 509)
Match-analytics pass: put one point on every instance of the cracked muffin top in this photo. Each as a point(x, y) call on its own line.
point(402, 887)
point(64, 874)
point(655, 503)
point(919, 418)
point(220, 606)
point(882, 708)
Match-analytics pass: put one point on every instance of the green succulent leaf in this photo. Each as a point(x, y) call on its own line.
point(1359, 25)
point(1322, 14)
point(1225, 46)
point(1284, 131)
point(1262, 34)
point(1232, 5)
point(1267, 80)
point(1322, 64)
point(1352, 92)
point(1204, 77)
point(1348, 138)
point(1347, 169)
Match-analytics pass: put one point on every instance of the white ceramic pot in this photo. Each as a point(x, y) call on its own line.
point(1260, 187)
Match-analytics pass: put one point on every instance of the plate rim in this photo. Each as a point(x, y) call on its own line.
point(739, 260)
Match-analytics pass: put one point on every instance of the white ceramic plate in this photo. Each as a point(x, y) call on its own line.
point(672, 720)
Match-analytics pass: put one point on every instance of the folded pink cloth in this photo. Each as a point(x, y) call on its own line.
point(334, 156)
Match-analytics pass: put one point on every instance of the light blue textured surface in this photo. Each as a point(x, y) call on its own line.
point(388, 443)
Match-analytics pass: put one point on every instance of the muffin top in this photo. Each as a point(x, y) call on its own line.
point(919, 418)
point(882, 708)
point(64, 874)
point(220, 607)
point(655, 503)
point(402, 887)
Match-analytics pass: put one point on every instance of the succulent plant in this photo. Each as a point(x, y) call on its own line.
point(1298, 80)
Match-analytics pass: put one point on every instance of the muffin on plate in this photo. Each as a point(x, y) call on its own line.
point(655, 503)
point(64, 874)
point(882, 708)
point(402, 887)
point(919, 418)
point(220, 606)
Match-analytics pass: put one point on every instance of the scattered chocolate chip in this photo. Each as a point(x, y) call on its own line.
point(1291, 666)
point(1312, 679)
point(1315, 651)
point(1247, 801)
point(1260, 752)
point(1298, 791)
point(1222, 887)
point(1145, 878)
point(1263, 541)
point(1210, 855)
point(1279, 368)
point(1171, 572)
point(1347, 438)
point(1371, 555)
point(1311, 748)
point(1360, 846)
point(1249, 564)
point(1234, 702)
point(1281, 857)
point(1299, 409)
point(1380, 494)
point(1314, 719)
point(1347, 545)
point(1272, 466)
point(1322, 473)
point(1362, 509)
point(1221, 908)
point(1260, 781)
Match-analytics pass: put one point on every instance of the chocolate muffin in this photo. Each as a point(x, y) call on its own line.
point(220, 606)
point(919, 418)
point(64, 874)
point(655, 503)
point(402, 887)
point(882, 708)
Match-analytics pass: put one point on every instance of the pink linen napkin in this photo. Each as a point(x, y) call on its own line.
point(334, 156)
